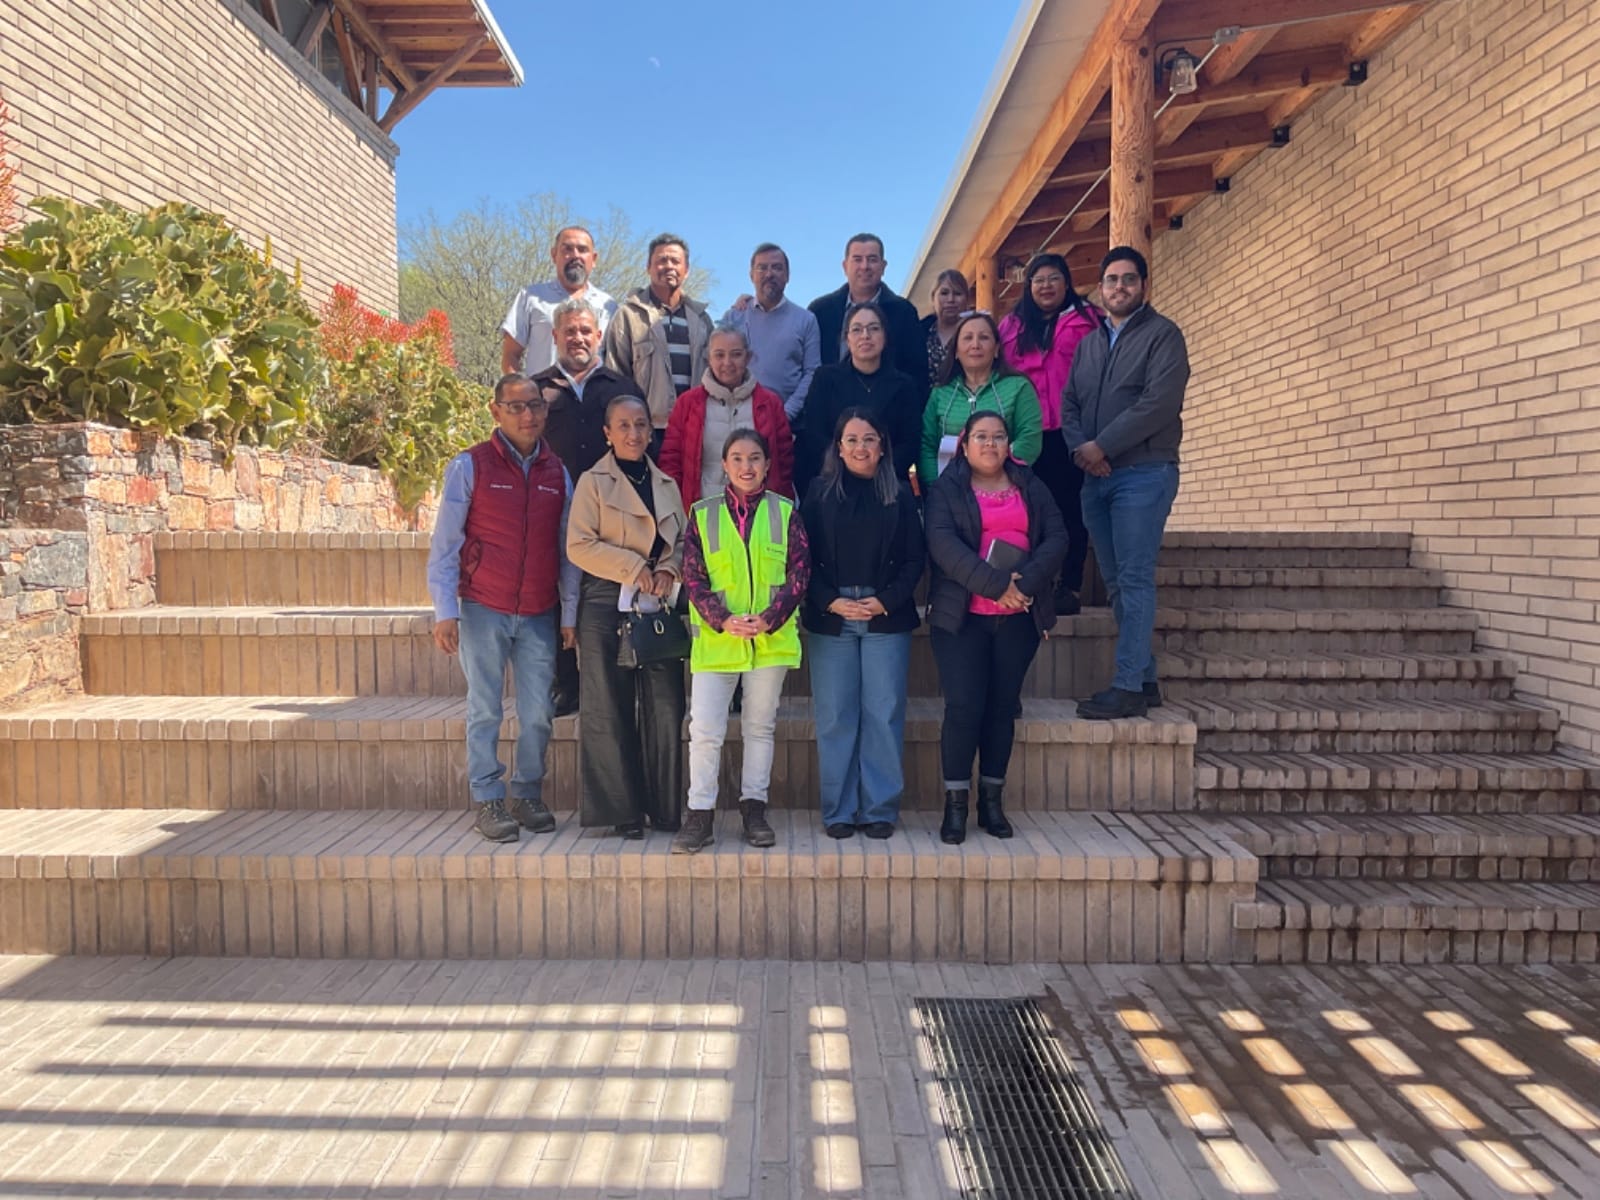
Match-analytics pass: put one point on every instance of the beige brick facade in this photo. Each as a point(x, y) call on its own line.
point(1395, 324)
point(144, 101)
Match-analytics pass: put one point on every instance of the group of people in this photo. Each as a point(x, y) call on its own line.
point(784, 478)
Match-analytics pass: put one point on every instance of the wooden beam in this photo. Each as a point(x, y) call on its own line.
point(269, 10)
point(371, 82)
point(347, 60)
point(411, 97)
point(1133, 143)
point(1229, 60)
point(1380, 29)
point(1062, 124)
point(1167, 185)
point(983, 284)
point(315, 24)
point(1272, 75)
point(1198, 20)
point(373, 36)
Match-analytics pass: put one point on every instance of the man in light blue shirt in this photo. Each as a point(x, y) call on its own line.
point(785, 344)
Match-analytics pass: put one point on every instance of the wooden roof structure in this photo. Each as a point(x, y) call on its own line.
point(1116, 159)
point(409, 48)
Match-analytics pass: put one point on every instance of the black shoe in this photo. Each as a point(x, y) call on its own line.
point(991, 817)
point(1152, 695)
point(632, 831)
point(1113, 704)
point(756, 830)
point(495, 823)
point(696, 832)
point(840, 830)
point(953, 829)
point(566, 702)
point(878, 829)
point(1067, 604)
point(531, 814)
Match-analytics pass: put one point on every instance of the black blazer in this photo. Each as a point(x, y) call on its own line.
point(896, 530)
point(895, 399)
point(955, 530)
point(908, 347)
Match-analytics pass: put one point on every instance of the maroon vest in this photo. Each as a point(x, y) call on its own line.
point(511, 561)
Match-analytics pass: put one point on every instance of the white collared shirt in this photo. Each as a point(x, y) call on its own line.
point(529, 320)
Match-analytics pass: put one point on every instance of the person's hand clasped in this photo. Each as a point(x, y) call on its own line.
point(746, 626)
point(645, 582)
point(1092, 459)
point(447, 635)
point(855, 610)
point(1012, 598)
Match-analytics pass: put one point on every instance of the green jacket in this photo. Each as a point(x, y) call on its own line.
point(746, 574)
point(1012, 396)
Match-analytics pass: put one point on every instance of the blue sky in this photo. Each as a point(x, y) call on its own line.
point(799, 123)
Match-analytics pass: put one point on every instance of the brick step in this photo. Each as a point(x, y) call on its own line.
point(1424, 921)
point(1247, 725)
point(1460, 784)
point(1287, 632)
point(1069, 887)
point(409, 753)
point(1297, 587)
point(1286, 548)
point(1548, 848)
point(1321, 680)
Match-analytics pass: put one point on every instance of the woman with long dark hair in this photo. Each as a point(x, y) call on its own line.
point(996, 540)
point(1039, 338)
point(867, 556)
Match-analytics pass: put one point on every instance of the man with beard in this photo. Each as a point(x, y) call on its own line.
point(784, 343)
point(576, 390)
point(863, 272)
point(659, 334)
point(526, 343)
point(1122, 417)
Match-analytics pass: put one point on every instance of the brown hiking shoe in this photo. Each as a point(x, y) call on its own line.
point(531, 814)
point(756, 830)
point(495, 823)
point(696, 832)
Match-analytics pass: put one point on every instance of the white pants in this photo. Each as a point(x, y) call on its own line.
point(709, 696)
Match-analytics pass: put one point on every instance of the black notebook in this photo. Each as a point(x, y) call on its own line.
point(1003, 556)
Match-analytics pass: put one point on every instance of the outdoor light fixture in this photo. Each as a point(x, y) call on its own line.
point(1184, 72)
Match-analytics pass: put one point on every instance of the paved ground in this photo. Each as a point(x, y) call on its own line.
point(236, 1079)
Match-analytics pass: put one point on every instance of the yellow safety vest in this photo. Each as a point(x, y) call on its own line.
point(746, 575)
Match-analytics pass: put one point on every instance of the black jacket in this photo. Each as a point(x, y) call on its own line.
point(575, 428)
point(895, 529)
point(908, 347)
point(1128, 400)
point(888, 394)
point(955, 530)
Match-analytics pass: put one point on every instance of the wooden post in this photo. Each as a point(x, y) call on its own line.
point(983, 284)
point(1133, 75)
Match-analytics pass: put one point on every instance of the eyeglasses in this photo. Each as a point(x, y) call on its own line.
point(1124, 280)
point(863, 330)
point(989, 439)
point(870, 442)
point(517, 407)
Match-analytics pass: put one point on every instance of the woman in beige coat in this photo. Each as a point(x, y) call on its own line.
point(626, 530)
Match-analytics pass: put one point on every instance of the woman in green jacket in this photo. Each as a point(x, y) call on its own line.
point(978, 380)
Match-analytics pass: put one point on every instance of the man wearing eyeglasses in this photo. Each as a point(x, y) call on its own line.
point(1121, 414)
point(504, 594)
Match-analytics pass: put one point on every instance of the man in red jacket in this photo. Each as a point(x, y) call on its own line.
point(502, 588)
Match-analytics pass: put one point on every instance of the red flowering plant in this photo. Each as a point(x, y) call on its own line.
point(8, 173)
point(393, 399)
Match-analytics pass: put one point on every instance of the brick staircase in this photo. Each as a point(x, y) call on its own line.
point(270, 762)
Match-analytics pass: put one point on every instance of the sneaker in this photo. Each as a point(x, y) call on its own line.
point(840, 830)
point(756, 829)
point(495, 823)
point(878, 829)
point(696, 832)
point(1113, 704)
point(531, 814)
point(1152, 695)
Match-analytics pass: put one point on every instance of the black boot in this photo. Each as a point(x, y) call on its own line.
point(757, 830)
point(953, 829)
point(991, 819)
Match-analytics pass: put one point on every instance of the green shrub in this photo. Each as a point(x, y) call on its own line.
point(393, 400)
point(164, 320)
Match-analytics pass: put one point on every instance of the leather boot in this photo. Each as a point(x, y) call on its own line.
point(953, 829)
point(991, 819)
point(757, 831)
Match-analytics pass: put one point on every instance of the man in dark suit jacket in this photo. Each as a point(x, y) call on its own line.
point(863, 272)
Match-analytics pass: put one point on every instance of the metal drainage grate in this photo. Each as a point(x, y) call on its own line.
point(1018, 1119)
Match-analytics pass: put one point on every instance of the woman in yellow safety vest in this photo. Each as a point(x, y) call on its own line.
point(746, 567)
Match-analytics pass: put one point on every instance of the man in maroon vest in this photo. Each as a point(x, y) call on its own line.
point(503, 592)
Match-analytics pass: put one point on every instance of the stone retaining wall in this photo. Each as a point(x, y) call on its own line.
point(80, 505)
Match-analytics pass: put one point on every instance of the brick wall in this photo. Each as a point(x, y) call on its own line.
point(145, 101)
point(1394, 323)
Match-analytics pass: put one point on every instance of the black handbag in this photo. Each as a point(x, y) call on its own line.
point(644, 639)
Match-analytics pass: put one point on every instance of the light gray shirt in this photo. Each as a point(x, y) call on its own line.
point(787, 349)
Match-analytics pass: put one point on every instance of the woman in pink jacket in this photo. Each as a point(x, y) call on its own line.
point(1038, 338)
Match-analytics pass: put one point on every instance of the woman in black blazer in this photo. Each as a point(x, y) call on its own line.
point(997, 540)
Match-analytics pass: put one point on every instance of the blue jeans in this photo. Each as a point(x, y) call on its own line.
point(489, 640)
point(1126, 513)
point(858, 693)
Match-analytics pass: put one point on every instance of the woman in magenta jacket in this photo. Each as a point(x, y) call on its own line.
point(1038, 338)
point(728, 398)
